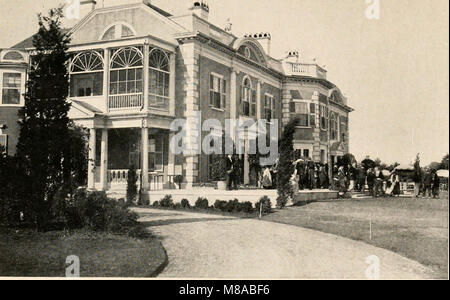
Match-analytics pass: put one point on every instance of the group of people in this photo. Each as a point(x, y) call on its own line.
point(311, 175)
point(426, 184)
point(356, 178)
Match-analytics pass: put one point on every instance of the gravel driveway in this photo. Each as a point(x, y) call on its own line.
point(211, 246)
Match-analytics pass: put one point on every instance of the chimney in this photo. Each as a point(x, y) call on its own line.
point(292, 56)
point(201, 9)
point(86, 6)
point(264, 39)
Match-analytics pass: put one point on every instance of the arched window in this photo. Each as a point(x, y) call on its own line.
point(86, 75)
point(248, 98)
point(334, 126)
point(118, 31)
point(13, 55)
point(159, 78)
point(126, 71)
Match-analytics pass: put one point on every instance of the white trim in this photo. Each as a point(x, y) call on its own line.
point(217, 75)
point(118, 33)
point(95, 12)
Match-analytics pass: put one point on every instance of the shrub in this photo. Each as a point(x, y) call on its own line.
point(166, 202)
point(201, 203)
point(219, 168)
point(156, 204)
point(178, 205)
point(95, 211)
point(185, 203)
point(144, 201)
point(247, 207)
point(266, 205)
point(132, 185)
point(232, 206)
point(220, 205)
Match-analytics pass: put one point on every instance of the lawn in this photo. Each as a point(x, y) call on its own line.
point(26, 252)
point(414, 228)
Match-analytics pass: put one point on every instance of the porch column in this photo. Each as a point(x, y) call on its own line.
point(146, 77)
point(246, 162)
point(106, 78)
point(171, 163)
point(144, 164)
point(104, 160)
point(172, 96)
point(91, 162)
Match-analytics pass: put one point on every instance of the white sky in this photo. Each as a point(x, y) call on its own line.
point(393, 70)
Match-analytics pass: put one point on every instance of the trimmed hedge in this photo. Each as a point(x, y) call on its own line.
point(202, 203)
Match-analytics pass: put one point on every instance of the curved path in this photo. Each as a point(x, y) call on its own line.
point(211, 246)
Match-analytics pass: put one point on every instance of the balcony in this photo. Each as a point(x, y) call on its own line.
point(305, 69)
point(126, 101)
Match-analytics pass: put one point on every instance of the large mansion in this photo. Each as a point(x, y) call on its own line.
point(136, 68)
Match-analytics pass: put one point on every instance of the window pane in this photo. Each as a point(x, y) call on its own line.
point(122, 75)
point(303, 120)
point(131, 74)
point(312, 108)
point(11, 96)
point(11, 80)
point(114, 76)
point(139, 74)
point(224, 86)
point(122, 87)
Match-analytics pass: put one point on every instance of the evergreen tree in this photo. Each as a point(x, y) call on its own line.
point(44, 149)
point(285, 167)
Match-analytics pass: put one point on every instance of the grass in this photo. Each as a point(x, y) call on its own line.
point(27, 253)
point(414, 228)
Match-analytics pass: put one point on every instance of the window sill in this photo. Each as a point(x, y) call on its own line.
point(217, 109)
point(12, 105)
point(303, 127)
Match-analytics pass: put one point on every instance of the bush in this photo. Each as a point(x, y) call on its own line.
point(201, 203)
point(166, 202)
point(247, 207)
point(232, 206)
point(156, 204)
point(178, 205)
point(266, 205)
point(144, 201)
point(220, 205)
point(95, 211)
point(185, 203)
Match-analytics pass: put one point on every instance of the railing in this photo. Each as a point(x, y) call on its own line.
point(308, 70)
point(156, 181)
point(122, 101)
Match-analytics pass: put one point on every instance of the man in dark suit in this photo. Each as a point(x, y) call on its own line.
point(231, 172)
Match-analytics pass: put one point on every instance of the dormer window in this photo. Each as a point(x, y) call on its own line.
point(13, 56)
point(118, 31)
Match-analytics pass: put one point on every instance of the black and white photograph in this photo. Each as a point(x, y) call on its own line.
point(241, 140)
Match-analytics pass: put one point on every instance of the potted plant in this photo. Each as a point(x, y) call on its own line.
point(219, 172)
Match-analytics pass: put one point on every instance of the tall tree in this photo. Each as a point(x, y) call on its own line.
point(444, 163)
point(44, 143)
point(285, 167)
